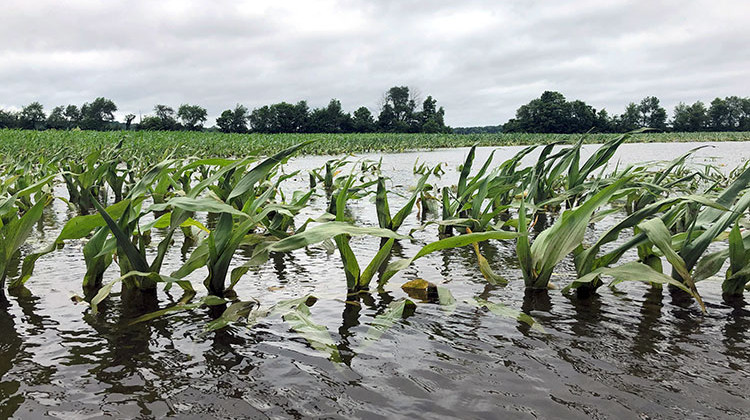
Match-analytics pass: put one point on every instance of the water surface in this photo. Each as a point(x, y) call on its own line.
point(632, 353)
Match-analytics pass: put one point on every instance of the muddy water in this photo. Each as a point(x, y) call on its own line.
point(632, 353)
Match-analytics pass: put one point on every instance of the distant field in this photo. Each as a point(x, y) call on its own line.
point(154, 144)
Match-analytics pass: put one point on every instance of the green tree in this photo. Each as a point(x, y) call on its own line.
point(8, 119)
point(582, 117)
point(652, 115)
point(32, 116)
point(331, 119)
point(261, 119)
point(690, 118)
point(550, 113)
point(73, 115)
point(192, 116)
point(629, 120)
point(736, 113)
point(129, 121)
point(398, 111)
point(387, 121)
point(290, 118)
point(151, 123)
point(233, 121)
point(166, 116)
point(362, 121)
point(282, 117)
point(432, 118)
point(98, 114)
point(56, 119)
point(604, 123)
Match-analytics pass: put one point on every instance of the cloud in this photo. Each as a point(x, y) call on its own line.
point(479, 59)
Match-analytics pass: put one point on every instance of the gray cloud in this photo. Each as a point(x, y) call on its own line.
point(480, 59)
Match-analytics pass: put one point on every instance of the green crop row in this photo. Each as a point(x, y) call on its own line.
point(152, 145)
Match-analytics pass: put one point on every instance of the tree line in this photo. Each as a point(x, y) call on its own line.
point(398, 113)
point(552, 113)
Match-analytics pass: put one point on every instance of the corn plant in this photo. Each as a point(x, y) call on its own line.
point(737, 276)
point(15, 228)
point(539, 259)
point(383, 209)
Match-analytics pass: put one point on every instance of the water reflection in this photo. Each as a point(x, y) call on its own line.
point(587, 315)
point(536, 300)
point(595, 352)
point(737, 329)
point(350, 319)
point(10, 346)
point(126, 359)
point(648, 337)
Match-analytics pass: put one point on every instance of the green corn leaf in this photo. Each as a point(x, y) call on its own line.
point(260, 171)
point(452, 242)
point(317, 335)
point(658, 233)
point(204, 204)
point(507, 312)
point(105, 290)
point(554, 243)
point(632, 271)
point(381, 205)
point(399, 218)
point(209, 300)
point(380, 258)
point(14, 235)
point(383, 322)
point(692, 251)
point(123, 239)
point(351, 266)
point(236, 311)
point(466, 170)
point(328, 230)
point(736, 249)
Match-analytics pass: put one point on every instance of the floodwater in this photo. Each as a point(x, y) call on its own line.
point(634, 353)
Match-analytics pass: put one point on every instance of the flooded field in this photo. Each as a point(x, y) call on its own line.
point(635, 352)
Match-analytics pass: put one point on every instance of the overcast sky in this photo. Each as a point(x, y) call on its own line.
point(479, 59)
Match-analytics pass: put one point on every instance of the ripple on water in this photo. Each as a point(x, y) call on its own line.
point(635, 353)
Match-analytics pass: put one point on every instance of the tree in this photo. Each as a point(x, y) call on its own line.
point(398, 111)
point(282, 117)
point(97, 114)
point(167, 116)
point(8, 119)
point(582, 117)
point(288, 118)
point(129, 121)
point(604, 123)
point(387, 121)
point(261, 119)
point(330, 119)
point(32, 116)
point(629, 120)
point(73, 115)
point(151, 123)
point(192, 116)
point(432, 118)
point(550, 113)
point(652, 115)
point(730, 114)
point(362, 121)
point(690, 118)
point(56, 119)
point(233, 121)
